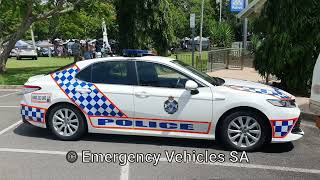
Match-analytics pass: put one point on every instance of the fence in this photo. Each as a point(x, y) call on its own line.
point(198, 63)
point(229, 58)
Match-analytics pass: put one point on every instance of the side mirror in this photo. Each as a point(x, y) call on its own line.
point(191, 85)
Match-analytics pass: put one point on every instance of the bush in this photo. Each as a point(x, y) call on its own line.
point(291, 43)
point(222, 34)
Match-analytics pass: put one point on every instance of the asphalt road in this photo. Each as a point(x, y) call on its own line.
point(28, 152)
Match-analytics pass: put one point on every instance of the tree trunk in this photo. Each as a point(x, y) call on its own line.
point(4, 55)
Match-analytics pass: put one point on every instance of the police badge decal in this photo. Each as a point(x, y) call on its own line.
point(171, 105)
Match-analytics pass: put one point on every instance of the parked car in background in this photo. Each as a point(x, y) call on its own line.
point(27, 52)
point(44, 52)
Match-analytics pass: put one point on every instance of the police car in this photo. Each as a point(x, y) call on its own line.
point(158, 96)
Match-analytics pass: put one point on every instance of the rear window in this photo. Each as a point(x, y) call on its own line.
point(112, 72)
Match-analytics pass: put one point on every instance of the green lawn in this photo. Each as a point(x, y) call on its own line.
point(18, 71)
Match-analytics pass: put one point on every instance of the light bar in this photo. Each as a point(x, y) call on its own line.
point(136, 52)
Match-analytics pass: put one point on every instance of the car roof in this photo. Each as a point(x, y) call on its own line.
point(85, 63)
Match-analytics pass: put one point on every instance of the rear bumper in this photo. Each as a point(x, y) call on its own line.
point(33, 115)
point(27, 56)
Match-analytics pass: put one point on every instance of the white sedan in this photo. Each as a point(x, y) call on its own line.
point(27, 52)
point(158, 96)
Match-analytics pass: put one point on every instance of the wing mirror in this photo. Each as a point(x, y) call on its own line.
point(192, 86)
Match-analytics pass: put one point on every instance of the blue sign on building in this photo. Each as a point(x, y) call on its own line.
point(237, 5)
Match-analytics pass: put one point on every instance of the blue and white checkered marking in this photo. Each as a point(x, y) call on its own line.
point(32, 113)
point(282, 128)
point(275, 92)
point(93, 103)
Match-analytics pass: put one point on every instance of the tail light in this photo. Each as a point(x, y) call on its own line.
point(28, 89)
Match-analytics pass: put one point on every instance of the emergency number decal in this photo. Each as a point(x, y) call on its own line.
point(199, 127)
point(41, 97)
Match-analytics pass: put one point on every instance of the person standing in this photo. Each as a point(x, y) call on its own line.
point(86, 51)
point(76, 50)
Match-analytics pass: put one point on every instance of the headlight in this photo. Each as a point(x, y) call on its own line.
point(282, 103)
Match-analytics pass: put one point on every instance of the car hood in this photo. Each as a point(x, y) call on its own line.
point(243, 85)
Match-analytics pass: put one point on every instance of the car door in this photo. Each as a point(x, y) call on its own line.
point(163, 105)
point(113, 100)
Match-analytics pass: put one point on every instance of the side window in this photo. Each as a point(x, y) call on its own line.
point(112, 72)
point(85, 74)
point(157, 75)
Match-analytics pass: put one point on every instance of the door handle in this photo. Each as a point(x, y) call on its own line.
point(83, 90)
point(142, 94)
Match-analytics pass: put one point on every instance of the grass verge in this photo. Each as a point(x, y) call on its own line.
point(18, 71)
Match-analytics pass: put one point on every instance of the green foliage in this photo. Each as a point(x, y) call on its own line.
point(181, 14)
point(222, 34)
point(256, 42)
point(82, 23)
point(291, 43)
point(135, 23)
point(14, 13)
point(11, 15)
point(144, 24)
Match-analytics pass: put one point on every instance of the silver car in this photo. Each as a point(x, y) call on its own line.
point(27, 53)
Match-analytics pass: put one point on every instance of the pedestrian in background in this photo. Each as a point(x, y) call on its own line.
point(103, 50)
point(86, 51)
point(76, 50)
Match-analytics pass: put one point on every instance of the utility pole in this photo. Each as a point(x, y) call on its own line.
point(192, 26)
point(32, 37)
point(200, 48)
point(220, 14)
point(245, 28)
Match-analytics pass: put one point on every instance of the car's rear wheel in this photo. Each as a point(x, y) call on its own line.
point(244, 131)
point(66, 122)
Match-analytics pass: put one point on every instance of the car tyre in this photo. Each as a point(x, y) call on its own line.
point(236, 137)
point(75, 125)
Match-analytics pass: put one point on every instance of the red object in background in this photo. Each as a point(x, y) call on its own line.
point(318, 121)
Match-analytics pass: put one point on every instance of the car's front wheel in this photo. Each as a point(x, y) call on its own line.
point(66, 122)
point(244, 131)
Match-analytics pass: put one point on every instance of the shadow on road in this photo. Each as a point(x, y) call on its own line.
point(35, 132)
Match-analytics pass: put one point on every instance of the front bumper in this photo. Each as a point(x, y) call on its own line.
point(294, 133)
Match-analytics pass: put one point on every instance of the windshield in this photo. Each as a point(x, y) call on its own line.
point(212, 80)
